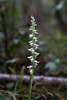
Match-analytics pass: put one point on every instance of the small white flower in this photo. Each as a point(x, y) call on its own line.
point(35, 24)
point(30, 57)
point(31, 50)
point(36, 61)
point(36, 46)
point(30, 35)
point(36, 54)
point(32, 17)
point(31, 71)
point(31, 28)
point(35, 38)
point(36, 65)
point(35, 30)
point(29, 66)
point(31, 43)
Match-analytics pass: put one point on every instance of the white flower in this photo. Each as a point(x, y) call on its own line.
point(31, 71)
point(30, 57)
point(35, 38)
point(31, 50)
point(35, 30)
point(36, 54)
point(30, 35)
point(36, 61)
point(32, 17)
point(29, 66)
point(31, 28)
point(35, 24)
point(31, 43)
point(36, 46)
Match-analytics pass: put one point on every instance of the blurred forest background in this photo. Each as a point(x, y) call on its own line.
point(51, 19)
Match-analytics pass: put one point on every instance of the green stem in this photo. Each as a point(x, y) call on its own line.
point(30, 86)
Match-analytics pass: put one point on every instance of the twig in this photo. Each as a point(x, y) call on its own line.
point(26, 78)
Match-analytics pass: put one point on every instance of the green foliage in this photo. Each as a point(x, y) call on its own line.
point(20, 81)
point(54, 50)
point(52, 66)
point(7, 95)
point(12, 70)
point(12, 60)
point(10, 85)
point(60, 5)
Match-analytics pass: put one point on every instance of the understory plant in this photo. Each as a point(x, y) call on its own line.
point(33, 47)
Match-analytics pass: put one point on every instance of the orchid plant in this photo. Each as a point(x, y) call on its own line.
point(33, 47)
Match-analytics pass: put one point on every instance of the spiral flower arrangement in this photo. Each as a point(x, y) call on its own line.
point(33, 47)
